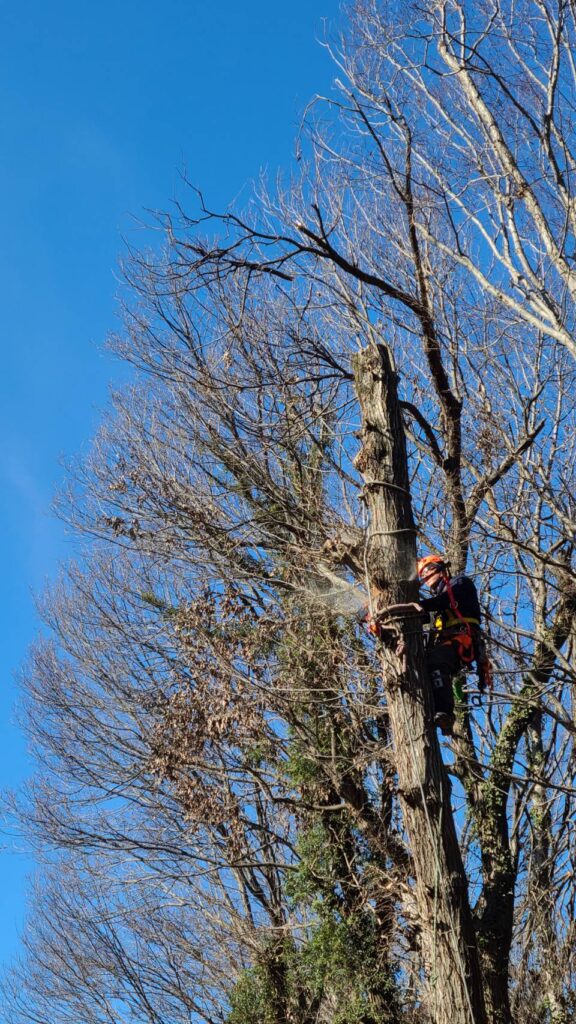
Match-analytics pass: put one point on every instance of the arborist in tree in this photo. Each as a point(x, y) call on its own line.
point(454, 640)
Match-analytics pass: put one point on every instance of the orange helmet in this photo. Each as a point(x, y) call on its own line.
point(436, 560)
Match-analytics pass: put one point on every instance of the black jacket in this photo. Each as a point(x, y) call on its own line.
point(465, 596)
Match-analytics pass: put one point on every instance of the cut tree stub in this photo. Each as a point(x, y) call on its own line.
point(449, 945)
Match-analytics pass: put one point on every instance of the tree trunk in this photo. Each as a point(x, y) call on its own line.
point(448, 940)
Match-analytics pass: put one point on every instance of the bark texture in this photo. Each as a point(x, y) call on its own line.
point(447, 936)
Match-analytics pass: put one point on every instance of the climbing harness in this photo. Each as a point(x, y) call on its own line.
point(458, 630)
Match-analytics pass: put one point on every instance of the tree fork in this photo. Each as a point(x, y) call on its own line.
point(448, 939)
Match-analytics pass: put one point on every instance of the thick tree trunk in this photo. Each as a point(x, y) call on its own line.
point(448, 938)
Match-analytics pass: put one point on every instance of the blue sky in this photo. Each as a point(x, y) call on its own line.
point(102, 107)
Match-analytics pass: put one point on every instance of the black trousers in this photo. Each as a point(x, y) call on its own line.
point(443, 664)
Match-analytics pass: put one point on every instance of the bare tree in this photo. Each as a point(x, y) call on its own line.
point(255, 817)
